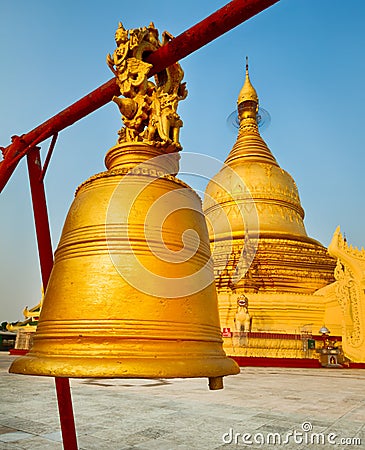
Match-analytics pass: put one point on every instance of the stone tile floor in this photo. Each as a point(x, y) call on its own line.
point(266, 408)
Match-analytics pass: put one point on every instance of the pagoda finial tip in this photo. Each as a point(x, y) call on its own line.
point(247, 92)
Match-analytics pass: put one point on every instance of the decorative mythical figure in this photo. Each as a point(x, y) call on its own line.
point(149, 110)
point(242, 318)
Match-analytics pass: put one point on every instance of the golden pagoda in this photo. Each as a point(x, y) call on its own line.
point(268, 271)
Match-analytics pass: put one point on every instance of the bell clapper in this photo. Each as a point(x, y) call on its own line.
point(215, 383)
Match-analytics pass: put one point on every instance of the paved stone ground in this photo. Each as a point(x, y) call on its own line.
point(272, 405)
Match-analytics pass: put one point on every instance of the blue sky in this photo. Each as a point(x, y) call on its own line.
point(306, 62)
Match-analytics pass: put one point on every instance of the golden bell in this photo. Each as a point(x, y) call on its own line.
point(132, 289)
point(132, 292)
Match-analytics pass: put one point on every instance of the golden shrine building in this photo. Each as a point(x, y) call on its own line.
point(284, 299)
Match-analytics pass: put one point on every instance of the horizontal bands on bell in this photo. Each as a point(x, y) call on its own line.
point(135, 175)
point(117, 238)
point(110, 348)
point(131, 231)
point(83, 249)
point(139, 329)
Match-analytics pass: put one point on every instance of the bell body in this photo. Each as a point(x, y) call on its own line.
point(132, 289)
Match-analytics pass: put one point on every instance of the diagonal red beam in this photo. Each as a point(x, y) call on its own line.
point(218, 23)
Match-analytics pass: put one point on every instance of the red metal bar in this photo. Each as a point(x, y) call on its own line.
point(49, 155)
point(40, 214)
point(223, 20)
point(46, 262)
point(218, 23)
point(66, 413)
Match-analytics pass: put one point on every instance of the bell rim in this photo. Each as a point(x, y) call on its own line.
point(104, 367)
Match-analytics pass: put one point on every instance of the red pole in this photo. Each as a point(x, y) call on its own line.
point(46, 262)
point(40, 214)
point(218, 23)
point(66, 413)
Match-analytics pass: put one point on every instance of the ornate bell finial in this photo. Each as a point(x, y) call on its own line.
point(149, 110)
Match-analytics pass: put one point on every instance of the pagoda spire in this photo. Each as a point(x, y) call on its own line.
point(248, 92)
point(249, 142)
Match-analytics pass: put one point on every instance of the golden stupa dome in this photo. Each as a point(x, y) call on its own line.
point(253, 198)
point(251, 168)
